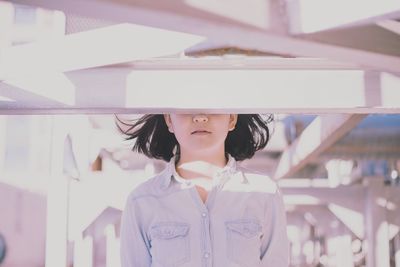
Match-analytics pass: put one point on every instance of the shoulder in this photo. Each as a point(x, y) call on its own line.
point(259, 181)
point(148, 188)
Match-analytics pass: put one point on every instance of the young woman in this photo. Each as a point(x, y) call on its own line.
point(203, 209)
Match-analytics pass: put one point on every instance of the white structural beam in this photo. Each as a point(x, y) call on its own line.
point(222, 86)
point(219, 29)
point(83, 251)
point(353, 217)
point(355, 205)
point(397, 251)
point(338, 244)
point(16, 97)
point(57, 222)
point(6, 22)
point(316, 138)
point(39, 86)
point(339, 201)
point(336, 236)
point(37, 68)
point(254, 13)
point(95, 48)
point(390, 25)
point(377, 226)
point(313, 15)
point(343, 195)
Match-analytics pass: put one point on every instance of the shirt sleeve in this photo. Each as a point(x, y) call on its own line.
point(275, 244)
point(134, 243)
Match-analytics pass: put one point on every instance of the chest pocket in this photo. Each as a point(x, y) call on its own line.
point(244, 241)
point(170, 244)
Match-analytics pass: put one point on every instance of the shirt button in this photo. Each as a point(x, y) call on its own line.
point(206, 255)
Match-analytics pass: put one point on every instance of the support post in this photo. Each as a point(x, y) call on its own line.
point(377, 227)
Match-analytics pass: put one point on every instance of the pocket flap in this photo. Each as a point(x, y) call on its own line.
point(247, 228)
point(169, 230)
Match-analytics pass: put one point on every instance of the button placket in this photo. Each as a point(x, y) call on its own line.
point(207, 241)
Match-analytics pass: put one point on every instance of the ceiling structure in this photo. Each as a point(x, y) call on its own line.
point(338, 58)
point(260, 56)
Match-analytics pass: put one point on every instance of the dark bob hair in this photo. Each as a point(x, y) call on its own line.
point(155, 141)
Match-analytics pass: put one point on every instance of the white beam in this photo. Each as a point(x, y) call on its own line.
point(316, 138)
point(254, 13)
point(47, 86)
point(219, 30)
point(397, 251)
point(390, 25)
point(353, 218)
point(308, 16)
point(376, 226)
point(83, 251)
point(15, 97)
point(257, 89)
point(95, 48)
point(6, 22)
point(57, 222)
point(340, 200)
point(239, 62)
point(352, 205)
point(255, 86)
point(343, 195)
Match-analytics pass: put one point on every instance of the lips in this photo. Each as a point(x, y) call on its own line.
point(200, 132)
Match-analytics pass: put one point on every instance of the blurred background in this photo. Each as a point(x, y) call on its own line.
point(64, 180)
point(330, 75)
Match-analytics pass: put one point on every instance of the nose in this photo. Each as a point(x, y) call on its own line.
point(200, 118)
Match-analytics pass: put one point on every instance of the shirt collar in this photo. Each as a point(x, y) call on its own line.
point(170, 171)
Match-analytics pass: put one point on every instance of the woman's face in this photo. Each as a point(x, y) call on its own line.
point(201, 132)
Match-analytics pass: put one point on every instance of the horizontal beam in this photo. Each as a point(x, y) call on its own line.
point(343, 195)
point(308, 16)
point(14, 97)
point(94, 48)
point(238, 62)
point(243, 88)
point(218, 29)
point(253, 13)
point(38, 87)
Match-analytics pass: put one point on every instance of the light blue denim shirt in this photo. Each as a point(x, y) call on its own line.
point(242, 223)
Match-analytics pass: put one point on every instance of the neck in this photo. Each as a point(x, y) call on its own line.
point(191, 165)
